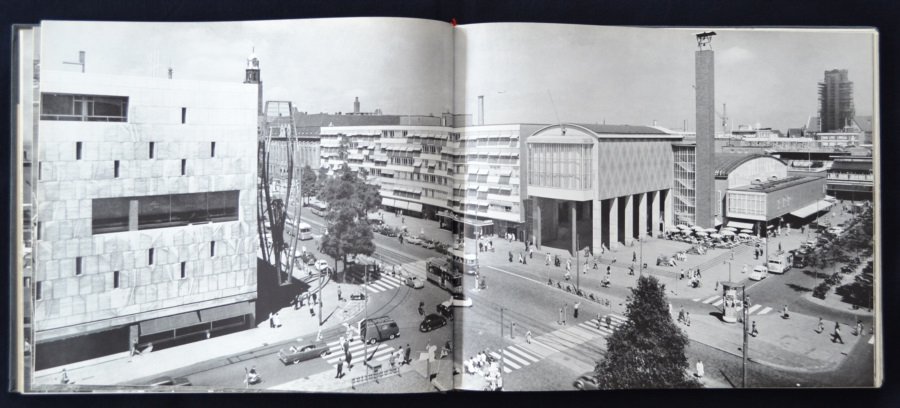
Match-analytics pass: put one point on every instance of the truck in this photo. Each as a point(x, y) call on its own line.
point(377, 329)
point(780, 263)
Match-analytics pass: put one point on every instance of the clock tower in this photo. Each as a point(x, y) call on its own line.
point(251, 76)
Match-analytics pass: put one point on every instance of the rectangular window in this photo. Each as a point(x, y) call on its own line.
point(183, 270)
point(39, 230)
point(152, 149)
point(38, 292)
point(26, 282)
point(116, 169)
point(212, 249)
point(212, 149)
point(77, 150)
point(183, 115)
point(163, 211)
point(116, 280)
point(150, 256)
point(84, 108)
point(40, 171)
point(78, 269)
point(183, 166)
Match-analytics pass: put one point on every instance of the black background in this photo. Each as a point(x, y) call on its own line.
point(882, 15)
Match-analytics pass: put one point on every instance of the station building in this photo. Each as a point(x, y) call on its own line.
point(146, 213)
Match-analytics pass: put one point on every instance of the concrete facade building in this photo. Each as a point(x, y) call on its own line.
point(835, 100)
point(851, 178)
point(146, 215)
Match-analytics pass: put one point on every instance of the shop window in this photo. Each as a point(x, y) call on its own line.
point(85, 108)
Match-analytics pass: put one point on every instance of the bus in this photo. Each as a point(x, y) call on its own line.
point(442, 273)
point(464, 262)
point(318, 208)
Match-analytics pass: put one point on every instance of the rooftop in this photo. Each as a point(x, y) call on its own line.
point(775, 185)
point(861, 164)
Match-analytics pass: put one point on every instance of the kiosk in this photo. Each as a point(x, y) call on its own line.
point(732, 304)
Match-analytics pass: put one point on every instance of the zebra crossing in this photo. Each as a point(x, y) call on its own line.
point(378, 352)
point(717, 300)
point(382, 284)
point(515, 358)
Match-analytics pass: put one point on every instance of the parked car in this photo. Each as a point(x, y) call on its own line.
point(169, 381)
point(302, 351)
point(412, 240)
point(444, 310)
point(458, 300)
point(413, 282)
point(586, 382)
point(428, 245)
point(308, 258)
point(321, 265)
point(431, 322)
point(759, 273)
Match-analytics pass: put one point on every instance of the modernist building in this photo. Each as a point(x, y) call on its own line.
point(146, 213)
point(598, 185)
point(851, 178)
point(835, 100)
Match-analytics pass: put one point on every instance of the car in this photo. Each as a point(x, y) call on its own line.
point(587, 381)
point(431, 322)
point(413, 282)
point(458, 300)
point(308, 258)
point(321, 265)
point(428, 245)
point(302, 351)
point(412, 240)
point(444, 310)
point(169, 381)
point(759, 273)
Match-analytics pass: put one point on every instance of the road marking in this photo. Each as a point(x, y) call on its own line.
point(380, 285)
point(523, 353)
point(541, 343)
point(872, 340)
point(567, 337)
point(718, 302)
point(766, 310)
point(711, 299)
point(518, 276)
point(372, 289)
point(696, 299)
point(753, 308)
point(593, 329)
point(580, 333)
point(512, 356)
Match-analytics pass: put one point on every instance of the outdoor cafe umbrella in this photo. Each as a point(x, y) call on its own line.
point(730, 229)
point(701, 234)
point(698, 228)
point(744, 235)
point(716, 236)
point(682, 226)
point(673, 230)
point(727, 233)
point(710, 230)
point(746, 231)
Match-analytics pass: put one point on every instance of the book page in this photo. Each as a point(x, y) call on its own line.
point(697, 200)
point(244, 206)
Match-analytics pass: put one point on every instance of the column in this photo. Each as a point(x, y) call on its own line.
point(627, 202)
point(667, 208)
point(573, 218)
point(596, 225)
point(536, 221)
point(642, 214)
point(612, 220)
point(654, 211)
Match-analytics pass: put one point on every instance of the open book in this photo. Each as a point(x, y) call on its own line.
point(397, 205)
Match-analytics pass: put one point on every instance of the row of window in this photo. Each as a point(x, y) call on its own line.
point(88, 108)
point(119, 214)
point(38, 285)
point(559, 165)
point(151, 150)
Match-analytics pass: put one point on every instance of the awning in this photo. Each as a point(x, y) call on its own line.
point(417, 162)
point(473, 170)
point(493, 179)
point(483, 171)
point(483, 188)
point(387, 201)
point(415, 207)
point(506, 171)
point(225, 312)
point(387, 171)
point(811, 209)
point(167, 323)
point(740, 225)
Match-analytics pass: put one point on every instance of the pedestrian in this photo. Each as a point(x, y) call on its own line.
point(687, 318)
point(315, 297)
point(340, 298)
point(717, 286)
point(406, 354)
point(699, 369)
point(753, 331)
point(64, 379)
point(349, 357)
point(836, 337)
point(681, 314)
point(608, 269)
point(510, 257)
point(779, 247)
point(744, 269)
point(599, 321)
point(681, 274)
point(312, 312)
point(608, 322)
point(421, 308)
point(547, 260)
point(568, 265)
point(821, 326)
point(784, 312)
point(560, 320)
point(575, 309)
point(528, 336)
point(276, 320)
point(531, 252)
point(859, 327)
point(565, 312)
point(633, 256)
point(271, 320)
point(340, 369)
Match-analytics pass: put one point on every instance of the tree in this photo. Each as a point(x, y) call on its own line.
point(648, 351)
point(349, 200)
point(308, 184)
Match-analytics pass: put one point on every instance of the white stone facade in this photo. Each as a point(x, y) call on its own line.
point(181, 119)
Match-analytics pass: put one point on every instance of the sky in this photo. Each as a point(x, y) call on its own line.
point(531, 73)
point(568, 73)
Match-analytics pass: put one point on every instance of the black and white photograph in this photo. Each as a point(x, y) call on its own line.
point(398, 205)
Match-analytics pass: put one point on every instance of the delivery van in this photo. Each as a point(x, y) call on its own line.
point(378, 329)
point(780, 263)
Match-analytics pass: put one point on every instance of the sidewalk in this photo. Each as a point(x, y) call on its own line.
point(411, 378)
point(416, 226)
point(122, 368)
point(784, 344)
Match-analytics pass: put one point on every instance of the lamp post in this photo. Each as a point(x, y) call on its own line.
point(746, 338)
